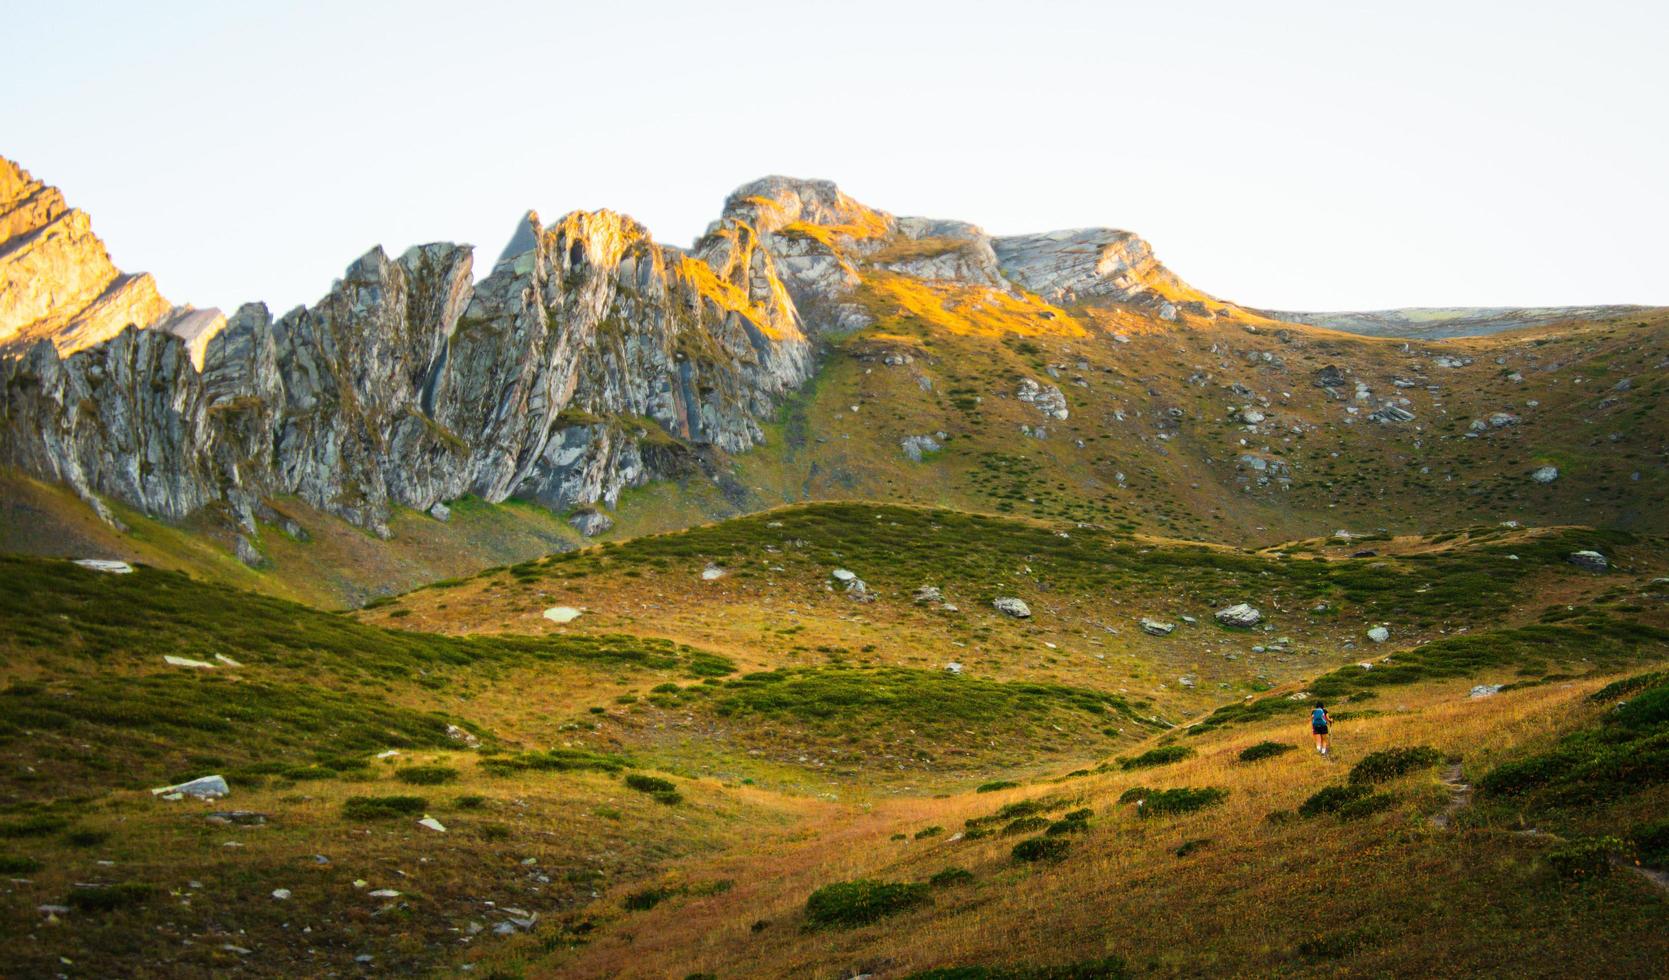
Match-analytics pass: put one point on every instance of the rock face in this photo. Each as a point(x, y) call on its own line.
point(57, 282)
point(590, 359)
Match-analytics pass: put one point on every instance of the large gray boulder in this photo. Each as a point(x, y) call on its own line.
point(1010, 606)
point(1240, 614)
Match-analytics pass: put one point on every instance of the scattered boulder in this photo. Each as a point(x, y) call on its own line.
point(562, 614)
point(1391, 413)
point(201, 788)
point(105, 565)
point(928, 593)
point(457, 734)
point(953, 667)
point(712, 573)
point(1501, 420)
point(174, 661)
point(1545, 474)
point(1010, 606)
point(844, 575)
point(1593, 561)
point(915, 447)
point(1047, 399)
point(440, 512)
point(590, 522)
point(282, 894)
point(431, 823)
point(242, 818)
point(1330, 377)
point(1240, 614)
point(1188, 680)
point(1156, 627)
point(1249, 415)
point(1379, 634)
point(1485, 690)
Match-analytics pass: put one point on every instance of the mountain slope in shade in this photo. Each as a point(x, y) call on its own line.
point(57, 282)
point(1437, 322)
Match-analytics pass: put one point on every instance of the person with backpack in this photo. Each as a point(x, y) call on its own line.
point(1320, 724)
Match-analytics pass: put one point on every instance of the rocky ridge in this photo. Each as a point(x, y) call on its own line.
point(588, 360)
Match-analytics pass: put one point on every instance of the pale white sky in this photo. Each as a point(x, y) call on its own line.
point(1327, 155)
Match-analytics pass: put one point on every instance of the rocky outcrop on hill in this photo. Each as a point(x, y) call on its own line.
point(57, 282)
point(588, 360)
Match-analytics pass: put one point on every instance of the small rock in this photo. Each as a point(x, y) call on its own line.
point(916, 447)
point(103, 565)
point(282, 894)
point(1485, 690)
point(953, 667)
point(1379, 634)
point(440, 512)
point(562, 614)
point(844, 575)
point(1545, 474)
point(1010, 606)
point(1187, 680)
point(457, 734)
point(174, 661)
point(385, 893)
point(590, 522)
point(1240, 614)
point(202, 788)
point(1593, 561)
point(1156, 627)
point(431, 823)
point(712, 573)
point(928, 593)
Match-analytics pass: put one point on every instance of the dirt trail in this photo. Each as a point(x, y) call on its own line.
point(1460, 795)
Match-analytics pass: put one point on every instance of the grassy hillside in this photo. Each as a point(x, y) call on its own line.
point(661, 785)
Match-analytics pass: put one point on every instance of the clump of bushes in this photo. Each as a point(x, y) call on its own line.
point(1348, 802)
point(933, 831)
point(1024, 825)
point(1651, 843)
point(1184, 799)
point(91, 898)
point(14, 865)
point(1190, 846)
point(382, 807)
point(426, 775)
point(555, 760)
point(1586, 858)
point(1164, 755)
point(1041, 849)
point(1265, 750)
point(1387, 764)
point(1133, 794)
point(661, 790)
point(950, 876)
point(854, 903)
point(995, 785)
point(1076, 822)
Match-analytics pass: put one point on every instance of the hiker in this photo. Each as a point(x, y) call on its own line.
point(1320, 723)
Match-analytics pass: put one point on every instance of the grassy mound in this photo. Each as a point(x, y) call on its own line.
point(854, 903)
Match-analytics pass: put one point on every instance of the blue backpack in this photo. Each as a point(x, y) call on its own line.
point(1318, 718)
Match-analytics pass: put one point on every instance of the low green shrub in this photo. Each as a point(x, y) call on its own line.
point(1164, 755)
point(854, 903)
point(426, 775)
point(649, 784)
point(1265, 750)
point(14, 865)
point(995, 785)
point(645, 899)
point(1024, 825)
point(1041, 849)
point(1169, 802)
point(1651, 843)
point(1066, 826)
point(1190, 846)
point(1387, 764)
point(1133, 794)
point(1366, 805)
point(1586, 858)
point(950, 876)
point(1331, 799)
point(470, 801)
point(91, 898)
point(382, 807)
point(925, 832)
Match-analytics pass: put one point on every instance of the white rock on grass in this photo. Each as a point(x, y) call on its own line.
point(1156, 627)
point(431, 823)
point(1485, 690)
point(1593, 561)
point(1010, 606)
point(1545, 474)
point(562, 614)
point(384, 893)
point(1379, 634)
point(174, 661)
point(1240, 614)
point(953, 667)
point(712, 573)
point(202, 788)
point(282, 894)
point(105, 565)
